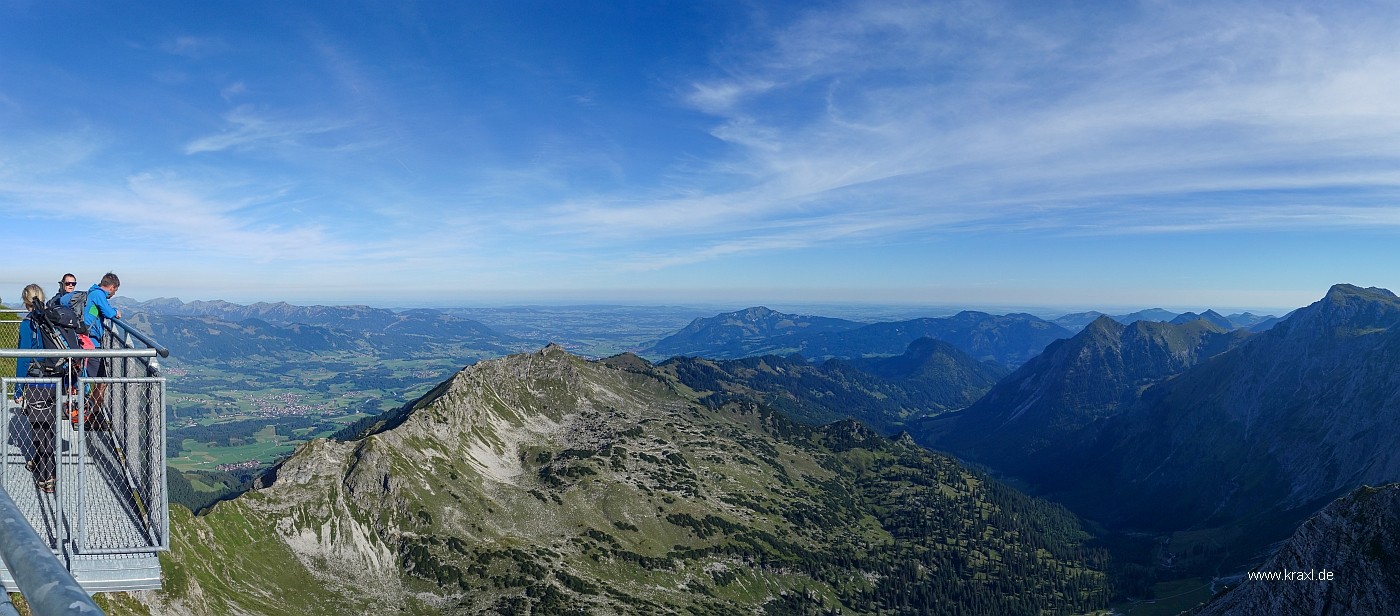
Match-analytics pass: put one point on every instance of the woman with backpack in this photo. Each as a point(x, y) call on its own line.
point(37, 401)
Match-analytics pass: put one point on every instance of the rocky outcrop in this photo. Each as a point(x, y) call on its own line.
point(1344, 560)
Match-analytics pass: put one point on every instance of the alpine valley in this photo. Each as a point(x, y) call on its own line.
point(757, 462)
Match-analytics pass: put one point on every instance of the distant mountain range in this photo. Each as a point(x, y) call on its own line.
point(1076, 382)
point(930, 378)
point(1245, 320)
point(1284, 422)
point(219, 330)
point(209, 338)
point(743, 333)
point(419, 322)
point(1008, 339)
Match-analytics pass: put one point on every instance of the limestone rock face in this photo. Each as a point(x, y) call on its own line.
point(1356, 540)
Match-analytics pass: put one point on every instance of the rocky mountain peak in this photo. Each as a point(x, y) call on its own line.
point(1345, 311)
point(1341, 292)
point(1104, 325)
point(756, 313)
point(553, 348)
point(1348, 304)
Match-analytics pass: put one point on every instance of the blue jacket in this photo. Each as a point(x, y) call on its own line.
point(28, 339)
point(97, 308)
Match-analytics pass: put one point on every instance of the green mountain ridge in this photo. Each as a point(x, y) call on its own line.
point(547, 483)
point(752, 331)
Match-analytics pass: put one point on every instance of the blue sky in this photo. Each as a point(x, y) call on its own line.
point(1077, 154)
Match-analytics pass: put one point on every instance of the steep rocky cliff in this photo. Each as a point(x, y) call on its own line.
point(1344, 560)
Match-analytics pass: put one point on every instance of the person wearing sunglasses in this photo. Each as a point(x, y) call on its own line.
point(67, 285)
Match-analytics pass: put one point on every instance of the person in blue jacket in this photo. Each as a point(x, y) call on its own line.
point(98, 308)
point(37, 401)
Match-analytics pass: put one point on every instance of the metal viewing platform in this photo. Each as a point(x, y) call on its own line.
point(107, 517)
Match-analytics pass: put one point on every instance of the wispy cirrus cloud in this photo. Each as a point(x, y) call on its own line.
point(939, 114)
point(399, 143)
point(195, 47)
point(250, 129)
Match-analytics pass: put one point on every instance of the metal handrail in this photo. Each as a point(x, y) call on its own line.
point(78, 352)
point(154, 348)
point(135, 333)
point(139, 335)
point(46, 584)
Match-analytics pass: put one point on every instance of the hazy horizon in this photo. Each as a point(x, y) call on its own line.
point(811, 308)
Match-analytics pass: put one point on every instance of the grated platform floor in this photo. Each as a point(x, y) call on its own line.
point(100, 510)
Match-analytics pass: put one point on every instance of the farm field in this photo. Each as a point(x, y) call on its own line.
point(250, 414)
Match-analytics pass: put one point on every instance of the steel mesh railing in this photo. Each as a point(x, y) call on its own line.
point(108, 435)
point(19, 434)
point(123, 501)
point(109, 495)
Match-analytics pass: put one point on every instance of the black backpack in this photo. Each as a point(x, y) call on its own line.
point(69, 317)
point(54, 337)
